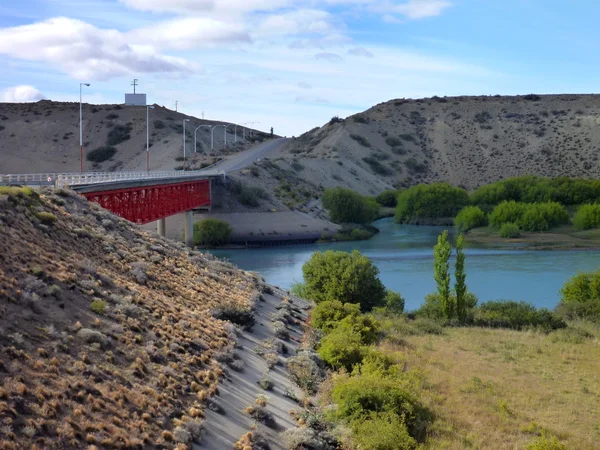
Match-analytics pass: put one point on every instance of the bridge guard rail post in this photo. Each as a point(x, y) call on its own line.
point(189, 228)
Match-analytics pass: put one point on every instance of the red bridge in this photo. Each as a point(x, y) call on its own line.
point(145, 204)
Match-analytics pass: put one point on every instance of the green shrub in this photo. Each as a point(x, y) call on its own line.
point(358, 397)
point(211, 232)
point(101, 154)
point(393, 142)
point(376, 166)
point(529, 216)
point(347, 206)
point(432, 307)
point(98, 306)
point(306, 371)
point(510, 230)
point(342, 348)
point(516, 315)
point(118, 134)
point(571, 335)
point(46, 218)
point(470, 217)
point(532, 189)
point(546, 442)
point(415, 166)
point(580, 297)
point(507, 212)
point(327, 315)
point(361, 140)
point(299, 290)
point(438, 200)
point(382, 431)
point(587, 217)
point(347, 277)
point(388, 198)
point(394, 303)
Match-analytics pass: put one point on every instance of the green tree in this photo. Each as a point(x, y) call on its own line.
point(347, 277)
point(211, 232)
point(441, 273)
point(432, 201)
point(461, 286)
point(347, 206)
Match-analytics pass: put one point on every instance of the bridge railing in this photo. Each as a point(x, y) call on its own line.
point(74, 179)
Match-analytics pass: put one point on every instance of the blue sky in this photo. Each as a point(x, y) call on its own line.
point(293, 64)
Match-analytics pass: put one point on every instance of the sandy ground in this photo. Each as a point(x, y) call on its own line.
point(239, 389)
point(261, 226)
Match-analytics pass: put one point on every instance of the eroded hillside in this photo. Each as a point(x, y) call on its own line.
point(466, 141)
point(44, 137)
point(108, 336)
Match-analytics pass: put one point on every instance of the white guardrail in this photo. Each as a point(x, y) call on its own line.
point(60, 180)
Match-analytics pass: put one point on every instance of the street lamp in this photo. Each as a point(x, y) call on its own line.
point(184, 121)
point(212, 135)
point(148, 108)
point(81, 124)
point(201, 126)
point(248, 123)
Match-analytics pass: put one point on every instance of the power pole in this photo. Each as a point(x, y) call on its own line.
point(176, 102)
point(134, 84)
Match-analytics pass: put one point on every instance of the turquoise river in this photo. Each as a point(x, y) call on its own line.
point(404, 256)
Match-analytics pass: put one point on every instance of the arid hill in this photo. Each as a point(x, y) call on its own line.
point(111, 337)
point(466, 141)
point(44, 137)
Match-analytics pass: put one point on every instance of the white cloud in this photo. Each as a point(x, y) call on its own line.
point(206, 6)
point(302, 21)
point(84, 51)
point(22, 94)
point(190, 32)
point(412, 9)
point(360, 51)
point(331, 57)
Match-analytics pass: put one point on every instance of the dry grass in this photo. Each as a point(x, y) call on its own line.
point(132, 377)
point(499, 389)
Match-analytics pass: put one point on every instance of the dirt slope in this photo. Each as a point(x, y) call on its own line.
point(467, 141)
point(44, 137)
point(108, 335)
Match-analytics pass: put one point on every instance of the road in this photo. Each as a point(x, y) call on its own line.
point(244, 159)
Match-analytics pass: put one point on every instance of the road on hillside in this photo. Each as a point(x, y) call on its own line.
point(246, 158)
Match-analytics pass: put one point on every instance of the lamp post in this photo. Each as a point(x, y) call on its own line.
point(81, 125)
point(248, 123)
point(227, 126)
point(184, 121)
point(201, 126)
point(212, 135)
point(148, 108)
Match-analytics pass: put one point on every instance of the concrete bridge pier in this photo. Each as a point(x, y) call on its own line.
point(189, 228)
point(161, 227)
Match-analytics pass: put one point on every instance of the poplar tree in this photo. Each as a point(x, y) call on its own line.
point(441, 273)
point(461, 286)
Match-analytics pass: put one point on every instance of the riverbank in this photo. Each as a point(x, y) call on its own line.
point(561, 238)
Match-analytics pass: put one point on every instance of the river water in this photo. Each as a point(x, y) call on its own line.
point(404, 256)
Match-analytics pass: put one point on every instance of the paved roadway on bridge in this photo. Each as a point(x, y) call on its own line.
point(246, 158)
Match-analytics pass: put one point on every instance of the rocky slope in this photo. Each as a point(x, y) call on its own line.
point(466, 141)
point(44, 137)
point(111, 337)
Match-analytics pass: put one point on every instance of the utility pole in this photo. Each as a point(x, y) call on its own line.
point(134, 84)
point(176, 102)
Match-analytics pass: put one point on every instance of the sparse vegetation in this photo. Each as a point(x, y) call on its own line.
point(361, 140)
point(118, 134)
point(101, 154)
point(376, 166)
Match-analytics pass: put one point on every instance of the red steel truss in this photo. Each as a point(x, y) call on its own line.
point(146, 204)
